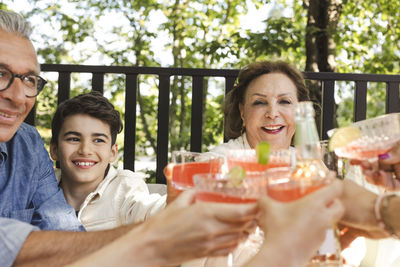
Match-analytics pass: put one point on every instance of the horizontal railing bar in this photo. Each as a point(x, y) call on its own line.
point(351, 76)
point(210, 72)
point(139, 70)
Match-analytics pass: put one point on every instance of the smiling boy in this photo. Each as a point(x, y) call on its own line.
point(84, 131)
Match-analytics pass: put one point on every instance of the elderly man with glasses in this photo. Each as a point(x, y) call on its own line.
point(28, 191)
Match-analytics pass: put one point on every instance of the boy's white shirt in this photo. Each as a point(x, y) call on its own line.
point(121, 198)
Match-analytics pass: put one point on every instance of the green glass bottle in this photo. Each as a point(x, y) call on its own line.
point(311, 174)
point(309, 164)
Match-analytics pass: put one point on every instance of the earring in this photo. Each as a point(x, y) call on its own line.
point(242, 130)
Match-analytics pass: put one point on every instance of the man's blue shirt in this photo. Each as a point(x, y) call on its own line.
point(12, 236)
point(28, 187)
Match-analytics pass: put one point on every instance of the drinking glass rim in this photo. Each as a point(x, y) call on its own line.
point(363, 123)
point(223, 176)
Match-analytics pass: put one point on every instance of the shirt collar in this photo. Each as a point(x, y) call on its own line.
point(112, 173)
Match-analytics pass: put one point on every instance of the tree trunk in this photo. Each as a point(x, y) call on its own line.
point(322, 19)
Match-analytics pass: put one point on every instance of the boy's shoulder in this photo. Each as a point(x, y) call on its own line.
point(118, 180)
point(128, 174)
point(124, 178)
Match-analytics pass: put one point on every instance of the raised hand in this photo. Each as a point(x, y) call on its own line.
point(295, 230)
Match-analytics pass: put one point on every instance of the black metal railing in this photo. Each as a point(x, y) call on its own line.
point(198, 75)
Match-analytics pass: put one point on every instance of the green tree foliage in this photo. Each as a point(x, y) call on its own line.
point(367, 40)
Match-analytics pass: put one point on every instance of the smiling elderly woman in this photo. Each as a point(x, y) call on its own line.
point(261, 106)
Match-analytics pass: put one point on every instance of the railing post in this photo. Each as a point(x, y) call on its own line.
point(360, 101)
point(229, 83)
point(196, 128)
point(131, 85)
point(392, 97)
point(162, 130)
point(98, 82)
point(328, 108)
point(64, 86)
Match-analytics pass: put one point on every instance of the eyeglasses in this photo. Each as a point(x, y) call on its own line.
point(33, 83)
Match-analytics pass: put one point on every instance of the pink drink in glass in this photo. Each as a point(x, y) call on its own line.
point(377, 136)
point(282, 186)
point(216, 188)
point(247, 159)
point(182, 174)
point(360, 149)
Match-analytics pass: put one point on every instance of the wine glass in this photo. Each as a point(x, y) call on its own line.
point(222, 188)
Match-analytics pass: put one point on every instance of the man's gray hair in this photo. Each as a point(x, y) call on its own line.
point(14, 23)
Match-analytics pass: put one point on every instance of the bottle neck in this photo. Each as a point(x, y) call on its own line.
point(306, 139)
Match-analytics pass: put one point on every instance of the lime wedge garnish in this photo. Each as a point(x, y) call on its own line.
point(262, 150)
point(343, 136)
point(236, 175)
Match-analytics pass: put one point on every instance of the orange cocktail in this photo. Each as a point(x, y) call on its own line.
point(182, 173)
point(250, 166)
point(219, 188)
point(282, 186)
point(247, 159)
point(287, 192)
point(215, 197)
point(185, 164)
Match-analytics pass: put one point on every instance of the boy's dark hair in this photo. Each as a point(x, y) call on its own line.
point(93, 104)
